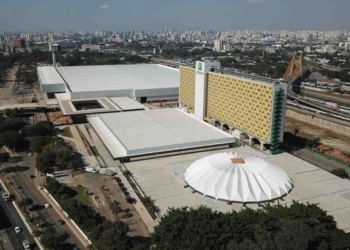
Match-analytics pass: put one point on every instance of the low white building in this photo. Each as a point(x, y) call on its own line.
point(141, 82)
point(91, 47)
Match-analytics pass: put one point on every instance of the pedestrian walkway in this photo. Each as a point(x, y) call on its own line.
point(89, 160)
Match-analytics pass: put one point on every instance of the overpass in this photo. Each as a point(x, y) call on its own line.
point(170, 63)
point(295, 72)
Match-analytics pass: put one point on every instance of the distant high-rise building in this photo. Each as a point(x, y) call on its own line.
point(19, 43)
point(217, 45)
point(228, 47)
point(310, 38)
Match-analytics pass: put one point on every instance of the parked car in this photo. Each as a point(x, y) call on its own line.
point(18, 229)
point(61, 222)
point(47, 205)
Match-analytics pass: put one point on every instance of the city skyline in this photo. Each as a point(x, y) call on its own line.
point(20, 15)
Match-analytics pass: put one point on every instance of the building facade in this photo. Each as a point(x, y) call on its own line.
point(19, 43)
point(217, 45)
point(246, 105)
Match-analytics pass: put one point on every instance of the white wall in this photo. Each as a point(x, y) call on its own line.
point(53, 88)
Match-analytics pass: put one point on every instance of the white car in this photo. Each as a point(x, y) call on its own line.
point(18, 229)
point(47, 205)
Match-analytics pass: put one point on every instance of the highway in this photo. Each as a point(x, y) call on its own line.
point(310, 111)
point(315, 105)
point(13, 240)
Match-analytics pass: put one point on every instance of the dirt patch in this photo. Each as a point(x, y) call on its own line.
point(57, 118)
point(328, 137)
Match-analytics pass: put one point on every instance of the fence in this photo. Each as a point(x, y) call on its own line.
point(328, 156)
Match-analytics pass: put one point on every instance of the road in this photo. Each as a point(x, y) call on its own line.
point(15, 239)
point(25, 186)
point(340, 99)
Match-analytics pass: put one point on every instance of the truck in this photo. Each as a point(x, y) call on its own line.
point(6, 196)
point(90, 170)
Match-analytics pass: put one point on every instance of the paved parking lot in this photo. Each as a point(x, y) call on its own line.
point(11, 94)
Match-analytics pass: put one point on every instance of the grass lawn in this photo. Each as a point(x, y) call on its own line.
point(81, 196)
point(66, 132)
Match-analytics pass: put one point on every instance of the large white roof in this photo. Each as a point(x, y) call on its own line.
point(49, 75)
point(153, 131)
point(119, 77)
point(238, 177)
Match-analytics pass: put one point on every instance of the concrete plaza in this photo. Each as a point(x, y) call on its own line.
point(162, 180)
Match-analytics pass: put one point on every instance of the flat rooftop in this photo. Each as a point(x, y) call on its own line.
point(126, 104)
point(49, 75)
point(162, 180)
point(153, 131)
point(119, 77)
point(67, 105)
point(107, 105)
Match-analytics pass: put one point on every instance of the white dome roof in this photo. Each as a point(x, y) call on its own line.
point(238, 177)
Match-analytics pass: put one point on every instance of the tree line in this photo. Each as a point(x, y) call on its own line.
point(300, 226)
point(104, 234)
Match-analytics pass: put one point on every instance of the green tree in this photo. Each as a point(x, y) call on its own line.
point(315, 142)
point(38, 143)
point(4, 157)
point(11, 138)
point(340, 172)
point(111, 236)
point(295, 131)
point(25, 203)
point(115, 207)
point(298, 226)
point(43, 128)
point(53, 240)
point(11, 123)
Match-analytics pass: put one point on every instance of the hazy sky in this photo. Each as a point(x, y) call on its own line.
point(156, 14)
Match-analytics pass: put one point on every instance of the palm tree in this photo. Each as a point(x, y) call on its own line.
point(115, 207)
point(25, 203)
point(296, 132)
point(315, 142)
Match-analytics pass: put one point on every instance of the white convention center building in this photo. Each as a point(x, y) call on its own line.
point(141, 82)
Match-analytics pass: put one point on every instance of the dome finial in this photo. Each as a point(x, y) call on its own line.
point(237, 161)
